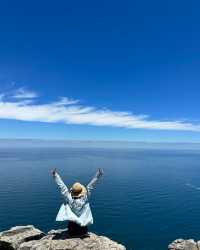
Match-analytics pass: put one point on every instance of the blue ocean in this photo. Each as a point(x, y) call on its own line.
point(146, 199)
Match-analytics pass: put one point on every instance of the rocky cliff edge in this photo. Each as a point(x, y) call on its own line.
point(31, 238)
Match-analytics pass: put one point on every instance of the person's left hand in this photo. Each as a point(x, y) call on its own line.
point(54, 171)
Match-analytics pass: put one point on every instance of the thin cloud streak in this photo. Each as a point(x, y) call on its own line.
point(69, 111)
point(23, 93)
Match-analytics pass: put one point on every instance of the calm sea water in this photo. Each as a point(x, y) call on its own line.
point(146, 199)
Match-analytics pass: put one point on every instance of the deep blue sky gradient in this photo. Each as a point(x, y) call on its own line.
point(138, 56)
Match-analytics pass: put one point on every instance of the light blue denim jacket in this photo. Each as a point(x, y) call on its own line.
point(76, 210)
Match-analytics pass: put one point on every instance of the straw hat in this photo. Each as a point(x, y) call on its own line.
point(78, 190)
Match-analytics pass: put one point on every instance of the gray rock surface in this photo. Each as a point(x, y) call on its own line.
point(181, 244)
point(20, 238)
point(12, 238)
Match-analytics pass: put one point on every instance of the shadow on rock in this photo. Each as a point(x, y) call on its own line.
point(63, 235)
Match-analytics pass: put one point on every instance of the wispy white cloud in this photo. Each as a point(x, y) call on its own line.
point(69, 111)
point(66, 101)
point(23, 93)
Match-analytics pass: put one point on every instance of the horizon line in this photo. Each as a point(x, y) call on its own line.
point(97, 140)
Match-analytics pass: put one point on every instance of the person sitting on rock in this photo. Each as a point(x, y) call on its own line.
point(76, 209)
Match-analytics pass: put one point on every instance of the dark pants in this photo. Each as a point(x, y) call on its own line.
point(76, 230)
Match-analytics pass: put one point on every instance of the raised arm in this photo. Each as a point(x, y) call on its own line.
point(94, 181)
point(63, 188)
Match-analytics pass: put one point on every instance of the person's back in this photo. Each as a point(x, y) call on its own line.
point(76, 209)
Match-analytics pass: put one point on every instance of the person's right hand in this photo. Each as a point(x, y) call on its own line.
point(54, 171)
point(100, 172)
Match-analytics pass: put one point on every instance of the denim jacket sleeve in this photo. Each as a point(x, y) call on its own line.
point(93, 183)
point(63, 188)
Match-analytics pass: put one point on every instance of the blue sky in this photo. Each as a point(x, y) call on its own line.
point(107, 70)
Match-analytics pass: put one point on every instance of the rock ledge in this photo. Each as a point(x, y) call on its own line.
point(31, 238)
point(181, 244)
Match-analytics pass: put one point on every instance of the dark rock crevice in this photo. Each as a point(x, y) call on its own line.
point(6, 246)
